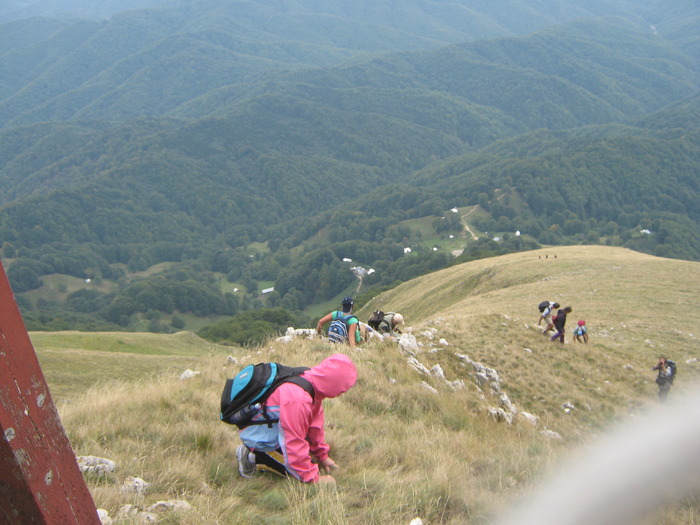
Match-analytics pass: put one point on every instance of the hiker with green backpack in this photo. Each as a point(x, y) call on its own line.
point(344, 327)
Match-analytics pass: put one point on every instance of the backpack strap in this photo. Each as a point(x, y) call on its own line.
point(305, 384)
point(338, 315)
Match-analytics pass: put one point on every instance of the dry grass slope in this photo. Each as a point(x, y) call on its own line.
point(405, 451)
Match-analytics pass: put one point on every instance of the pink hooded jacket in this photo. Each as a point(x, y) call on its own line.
point(302, 436)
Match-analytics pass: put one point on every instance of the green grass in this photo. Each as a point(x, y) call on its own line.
point(180, 344)
point(404, 451)
point(57, 287)
point(75, 361)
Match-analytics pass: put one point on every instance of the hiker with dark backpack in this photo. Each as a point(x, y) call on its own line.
point(665, 376)
point(375, 319)
point(392, 323)
point(286, 434)
point(546, 308)
point(560, 323)
point(344, 327)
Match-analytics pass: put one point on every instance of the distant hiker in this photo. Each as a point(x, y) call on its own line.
point(391, 322)
point(295, 445)
point(344, 325)
point(665, 376)
point(560, 323)
point(375, 319)
point(546, 308)
point(581, 332)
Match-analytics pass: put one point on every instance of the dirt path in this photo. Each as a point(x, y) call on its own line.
point(463, 218)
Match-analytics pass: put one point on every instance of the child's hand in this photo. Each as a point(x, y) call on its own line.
point(327, 465)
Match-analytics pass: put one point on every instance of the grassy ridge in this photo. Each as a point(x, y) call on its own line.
point(405, 451)
point(75, 361)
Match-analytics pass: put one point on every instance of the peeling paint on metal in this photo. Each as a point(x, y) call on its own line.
point(21, 457)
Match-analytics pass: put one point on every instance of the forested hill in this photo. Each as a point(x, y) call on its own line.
point(599, 184)
point(459, 18)
point(272, 175)
point(154, 62)
point(354, 128)
point(590, 181)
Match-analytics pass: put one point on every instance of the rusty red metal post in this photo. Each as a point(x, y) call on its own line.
point(40, 481)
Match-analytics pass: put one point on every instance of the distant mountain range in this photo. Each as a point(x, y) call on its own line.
point(191, 133)
point(152, 62)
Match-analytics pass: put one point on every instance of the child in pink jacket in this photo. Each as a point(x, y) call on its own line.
point(296, 445)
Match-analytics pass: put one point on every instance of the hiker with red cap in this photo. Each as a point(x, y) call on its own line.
point(581, 332)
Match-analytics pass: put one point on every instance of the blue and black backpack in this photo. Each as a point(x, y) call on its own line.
point(244, 394)
point(338, 330)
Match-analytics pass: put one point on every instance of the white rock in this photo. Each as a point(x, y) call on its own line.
point(506, 403)
point(99, 466)
point(465, 359)
point(285, 339)
point(416, 521)
point(408, 344)
point(529, 418)
point(428, 387)
point(412, 361)
point(127, 511)
point(550, 434)
point(438, 372)
point(501, 415)
point(481, 378)
point(457, 384)
point(490, 373)
point(104, 517)
point(189, 374)
point(147, 517)
point(134, 486)
point(443, 342)
point(173, 504)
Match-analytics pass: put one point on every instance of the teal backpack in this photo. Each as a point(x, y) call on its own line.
point(244, 394)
